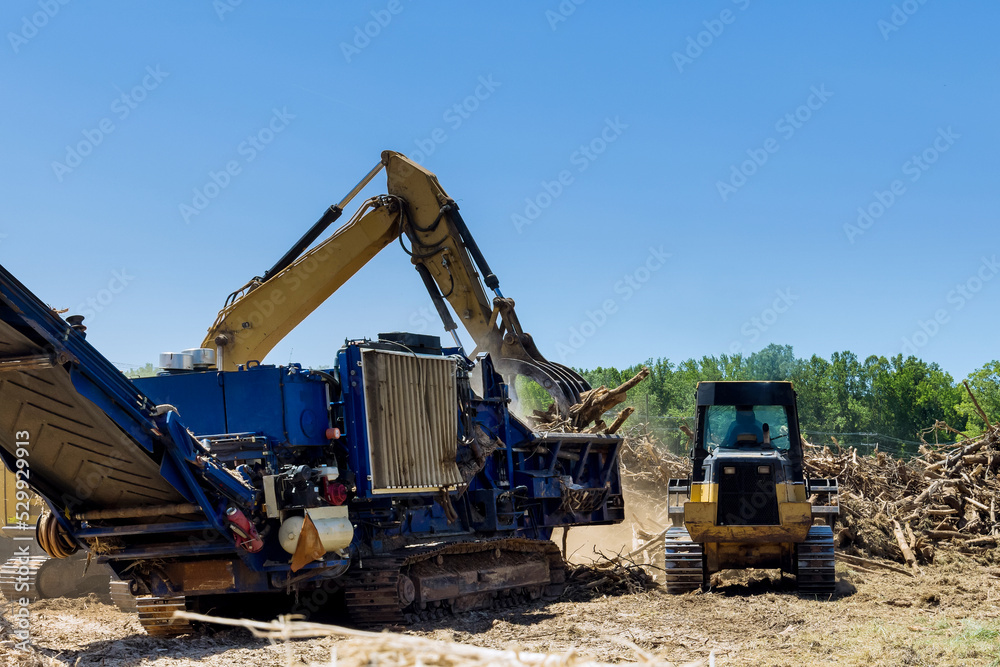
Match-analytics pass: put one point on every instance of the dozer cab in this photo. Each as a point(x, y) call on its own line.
point(748, 503)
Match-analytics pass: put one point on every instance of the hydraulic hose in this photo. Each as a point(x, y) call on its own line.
point(53, 538)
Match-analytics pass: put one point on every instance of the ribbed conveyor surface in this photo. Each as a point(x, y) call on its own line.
point(82, 455)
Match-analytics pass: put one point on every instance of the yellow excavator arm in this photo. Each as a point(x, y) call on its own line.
point(257, 316)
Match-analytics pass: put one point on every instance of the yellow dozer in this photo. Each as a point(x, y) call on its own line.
point(748, 502)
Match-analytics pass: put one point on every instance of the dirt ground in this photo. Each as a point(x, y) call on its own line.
point(950, 616)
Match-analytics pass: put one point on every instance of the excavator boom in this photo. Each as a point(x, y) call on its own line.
point(450, 263)
point(263, 312)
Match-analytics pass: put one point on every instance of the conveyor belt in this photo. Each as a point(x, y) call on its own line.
point(89, 429)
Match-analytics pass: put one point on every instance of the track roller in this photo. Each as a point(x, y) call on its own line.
point(816, 569)
point(683, 562)
point(453, 579)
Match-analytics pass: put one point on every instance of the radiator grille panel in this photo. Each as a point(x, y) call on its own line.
point(412, 420)
point(747, 498)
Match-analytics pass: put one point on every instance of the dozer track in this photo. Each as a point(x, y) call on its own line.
point(411, 585)
point(683, 561)
point(816, 569)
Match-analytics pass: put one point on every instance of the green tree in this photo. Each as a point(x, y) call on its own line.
point(773, 363)
point(907, 395)
point(894, 397)
point(142, 372)
point(811, 380)
point(985, 384)
point(845, 387)
point(530, 395)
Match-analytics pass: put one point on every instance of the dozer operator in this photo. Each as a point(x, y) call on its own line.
point(748, 502)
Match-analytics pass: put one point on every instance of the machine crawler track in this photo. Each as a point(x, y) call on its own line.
point(373, 596)
point(816, 571)
point(50, 578)
point(17, 582)
point(156, 616)
point(411, 586)
point(683, 561)
point(121, 596)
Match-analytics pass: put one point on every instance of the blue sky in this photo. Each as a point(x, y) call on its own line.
point(714, 156)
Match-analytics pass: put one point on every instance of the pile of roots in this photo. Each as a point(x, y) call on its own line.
point(609, 576)
point(903, 509)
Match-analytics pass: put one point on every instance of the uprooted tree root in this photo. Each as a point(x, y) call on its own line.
point(949, 494)
point(592, 407)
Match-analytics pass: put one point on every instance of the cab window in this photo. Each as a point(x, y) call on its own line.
point(734, 426)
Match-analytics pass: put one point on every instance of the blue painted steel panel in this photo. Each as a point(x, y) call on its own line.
point(355, 417)
point(254, 403)
point(287, 405)
point(306, 408)
point(197, 396)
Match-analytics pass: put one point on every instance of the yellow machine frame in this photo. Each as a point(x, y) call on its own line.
point(257, 316)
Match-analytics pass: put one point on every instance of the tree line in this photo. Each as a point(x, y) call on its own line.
point(886, 400)
point(896, 398)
